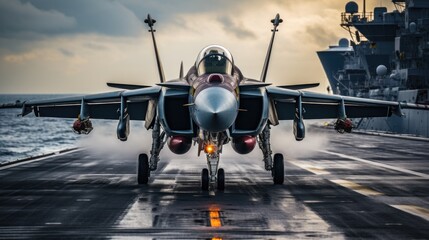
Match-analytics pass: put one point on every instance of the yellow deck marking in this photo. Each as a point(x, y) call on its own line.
point(215, 219)
point(214, 215)
point(357, 187)
point(415, 210)
point(317, 171)
point(310, 168)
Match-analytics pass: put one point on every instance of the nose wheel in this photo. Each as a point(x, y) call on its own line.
point(206, 184)
point(212, 177)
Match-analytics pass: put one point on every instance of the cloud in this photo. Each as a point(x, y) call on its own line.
point(231, 25)
point(50, 18)
point(17, 18)
point(168, 10)
point(65, 52)
point(95, 46)
point(321, 35)
point(36, 55)
point(41, 19)
point(19, 58)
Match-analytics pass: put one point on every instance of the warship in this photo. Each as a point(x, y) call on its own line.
point(386, 58)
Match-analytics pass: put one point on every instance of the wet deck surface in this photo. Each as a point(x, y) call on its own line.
point(358, 187)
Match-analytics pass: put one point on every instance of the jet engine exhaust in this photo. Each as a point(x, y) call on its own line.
point(244, 144)
point(215, 109)
point(179, 144)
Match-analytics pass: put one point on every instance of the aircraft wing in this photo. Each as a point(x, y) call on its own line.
point(97, 106)
point(324, 106)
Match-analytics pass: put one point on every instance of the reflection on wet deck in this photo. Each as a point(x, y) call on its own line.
point(324, 196)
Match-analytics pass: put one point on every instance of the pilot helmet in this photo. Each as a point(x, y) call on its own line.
point(214, 59)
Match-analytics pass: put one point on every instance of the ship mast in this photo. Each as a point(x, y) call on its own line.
point(364, 9)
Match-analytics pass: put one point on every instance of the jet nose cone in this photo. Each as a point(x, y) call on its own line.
point(215, 109)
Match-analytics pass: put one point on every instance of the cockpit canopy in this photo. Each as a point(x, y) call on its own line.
point(214, 59)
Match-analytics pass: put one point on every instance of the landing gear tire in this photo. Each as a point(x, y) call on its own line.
point(221, 179)
point(278, 170)
point(205, 179)
point(143, 169)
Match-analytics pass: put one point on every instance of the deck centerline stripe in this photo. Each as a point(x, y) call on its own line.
point(214, 216)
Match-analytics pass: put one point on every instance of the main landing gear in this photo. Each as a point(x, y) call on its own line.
point(146, 165)
point(278, 170)
point(276, 165)
point(143, 171)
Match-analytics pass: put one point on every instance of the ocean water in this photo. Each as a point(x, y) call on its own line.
point(22, 137)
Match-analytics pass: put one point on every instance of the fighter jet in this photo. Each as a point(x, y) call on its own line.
point(212, 105)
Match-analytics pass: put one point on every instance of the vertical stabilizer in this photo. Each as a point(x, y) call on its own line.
point(150, 22)
point(276, 22)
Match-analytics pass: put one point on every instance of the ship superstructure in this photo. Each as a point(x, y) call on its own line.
point(386, 58)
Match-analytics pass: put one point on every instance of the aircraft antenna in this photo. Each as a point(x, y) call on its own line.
point(276, 22)
point(150, 22)
point(181, 70)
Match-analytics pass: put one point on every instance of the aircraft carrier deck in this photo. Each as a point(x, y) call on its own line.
point(360, 187)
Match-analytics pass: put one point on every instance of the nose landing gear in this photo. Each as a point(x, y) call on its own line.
point(212, 177)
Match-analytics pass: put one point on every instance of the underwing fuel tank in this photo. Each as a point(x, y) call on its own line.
point(215, 109)
point(179, 144)
point(244, 144)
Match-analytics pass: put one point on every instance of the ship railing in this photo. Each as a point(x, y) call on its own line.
point(349, 19)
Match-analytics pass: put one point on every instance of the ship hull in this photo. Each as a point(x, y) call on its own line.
point(414, 122)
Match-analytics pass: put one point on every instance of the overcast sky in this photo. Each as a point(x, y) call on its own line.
point(76, 46)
